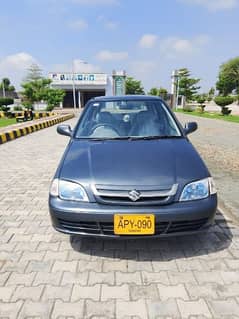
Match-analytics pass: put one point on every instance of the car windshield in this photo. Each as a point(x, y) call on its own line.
point(124, 119)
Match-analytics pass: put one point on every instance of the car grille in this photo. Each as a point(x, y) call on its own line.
point(107, 228)
point(120, 195)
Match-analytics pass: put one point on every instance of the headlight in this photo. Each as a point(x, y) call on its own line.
point(198, 190)
point(68, 191)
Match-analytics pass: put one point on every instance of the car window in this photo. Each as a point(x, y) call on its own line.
point(139, 118)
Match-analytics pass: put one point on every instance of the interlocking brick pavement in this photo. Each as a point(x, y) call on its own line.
point(44, 274)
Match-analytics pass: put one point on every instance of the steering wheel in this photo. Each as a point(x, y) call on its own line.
point(104, 125)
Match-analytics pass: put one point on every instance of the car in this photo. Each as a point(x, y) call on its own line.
point(130, 171)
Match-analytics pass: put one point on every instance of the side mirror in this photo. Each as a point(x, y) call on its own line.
point(190, 127)
point(64, 130)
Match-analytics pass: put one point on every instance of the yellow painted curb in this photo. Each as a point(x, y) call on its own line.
point(15, 133)
point(11, 134)
point(3, 138)
point(18, 132)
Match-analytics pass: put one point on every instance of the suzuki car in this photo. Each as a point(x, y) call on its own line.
point(129, 170)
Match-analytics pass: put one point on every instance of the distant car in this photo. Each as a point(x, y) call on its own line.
point(129, 170)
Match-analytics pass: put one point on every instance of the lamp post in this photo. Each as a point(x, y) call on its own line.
point(174, 88)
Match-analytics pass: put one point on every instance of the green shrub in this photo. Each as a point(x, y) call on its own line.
point(200, 108)
point(6, 110)
point(5, 101)
point(201, 99)
point(28, 105)
point(9, 114)
point(223, 101)
point(17, 108)
point(189, 108)
point(49, 108)
point(236, 98)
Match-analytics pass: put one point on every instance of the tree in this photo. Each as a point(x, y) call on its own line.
point(158, 92)
point(211, 94)
point(163, 93)
point(34, 73)
point(154, 91)
point(224, 84)
point(201, 99)
point(40, 90)
point(187, 85)
point(35, 90)
point(133, 86)
point(6, 85)
point(228, 79)
point(53, 98)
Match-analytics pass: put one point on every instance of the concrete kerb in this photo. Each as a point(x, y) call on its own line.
point(12, 134)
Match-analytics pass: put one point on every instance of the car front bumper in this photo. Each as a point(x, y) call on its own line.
point(94, 219)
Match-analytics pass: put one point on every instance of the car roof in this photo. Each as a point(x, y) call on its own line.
point(126, 98)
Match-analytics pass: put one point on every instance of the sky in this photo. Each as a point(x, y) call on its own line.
point(148, 39)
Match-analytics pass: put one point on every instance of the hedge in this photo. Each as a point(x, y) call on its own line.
point(6, 101)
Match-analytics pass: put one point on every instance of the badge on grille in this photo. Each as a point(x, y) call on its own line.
point(134, 195)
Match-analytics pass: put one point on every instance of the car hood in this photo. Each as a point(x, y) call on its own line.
point(142, 162)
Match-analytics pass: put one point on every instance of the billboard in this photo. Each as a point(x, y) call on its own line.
point(79, 78)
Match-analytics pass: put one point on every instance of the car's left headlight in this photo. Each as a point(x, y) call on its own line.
point(68, 190)
point(198, 190)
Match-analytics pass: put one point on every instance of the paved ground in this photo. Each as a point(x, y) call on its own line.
point(44, 274)
point(218, 143)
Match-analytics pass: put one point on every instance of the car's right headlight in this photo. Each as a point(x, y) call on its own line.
point(198, 190)
point(68, 190)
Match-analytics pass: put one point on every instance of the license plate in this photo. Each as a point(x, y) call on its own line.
point(134, 224)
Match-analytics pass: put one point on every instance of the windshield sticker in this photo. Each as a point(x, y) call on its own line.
point(96, 104)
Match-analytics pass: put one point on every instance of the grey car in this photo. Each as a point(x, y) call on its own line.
point(129, 170)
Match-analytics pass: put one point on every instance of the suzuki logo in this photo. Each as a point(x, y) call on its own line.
point(134, 195)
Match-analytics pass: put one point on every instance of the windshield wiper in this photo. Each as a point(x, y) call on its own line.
point(154, 137)
point(109, 138)
point(130, 138)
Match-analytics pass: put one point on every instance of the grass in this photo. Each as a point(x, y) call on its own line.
point(6, 122)
point(212, 115)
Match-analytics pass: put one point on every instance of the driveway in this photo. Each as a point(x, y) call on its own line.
point(45, 274)
point(218, 143)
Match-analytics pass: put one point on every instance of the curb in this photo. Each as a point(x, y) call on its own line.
point(19, 132)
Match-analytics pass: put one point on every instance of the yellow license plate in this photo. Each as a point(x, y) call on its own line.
point(134, 224)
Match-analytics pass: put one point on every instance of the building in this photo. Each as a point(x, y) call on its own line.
point(80, 87)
